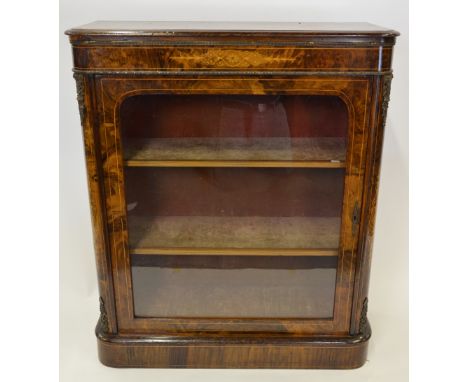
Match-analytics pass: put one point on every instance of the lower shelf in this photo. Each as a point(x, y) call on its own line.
point(232, 351)
point(233, 232)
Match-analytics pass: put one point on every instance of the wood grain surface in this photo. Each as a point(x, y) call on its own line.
point(114, 64)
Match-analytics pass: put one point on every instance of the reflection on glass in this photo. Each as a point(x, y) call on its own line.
point(234, 286)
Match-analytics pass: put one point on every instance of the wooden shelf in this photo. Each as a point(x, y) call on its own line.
point(234, 262)
point(261, 236)
point(188, 251)
point(236, 152)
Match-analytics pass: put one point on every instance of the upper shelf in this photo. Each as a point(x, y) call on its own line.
point(236, 152)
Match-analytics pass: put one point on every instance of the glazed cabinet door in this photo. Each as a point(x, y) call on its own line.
point(233, 204)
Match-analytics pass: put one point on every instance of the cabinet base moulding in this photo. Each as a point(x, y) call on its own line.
point(255, 352)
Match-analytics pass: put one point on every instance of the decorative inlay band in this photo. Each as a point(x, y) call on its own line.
point(186, 73)
point(231, 58)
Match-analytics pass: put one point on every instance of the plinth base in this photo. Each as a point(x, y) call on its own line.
point(232, 351)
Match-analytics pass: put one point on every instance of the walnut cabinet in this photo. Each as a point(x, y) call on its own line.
point(233, 174)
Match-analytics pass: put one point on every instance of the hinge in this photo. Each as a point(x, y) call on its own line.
point(355, 218)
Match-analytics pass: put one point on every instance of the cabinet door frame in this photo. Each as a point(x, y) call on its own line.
point(111, 90)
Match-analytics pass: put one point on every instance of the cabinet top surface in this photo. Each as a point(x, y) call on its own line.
point(154, 28)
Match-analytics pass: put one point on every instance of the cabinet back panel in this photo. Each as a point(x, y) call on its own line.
point(234, 192)
point(206, 116)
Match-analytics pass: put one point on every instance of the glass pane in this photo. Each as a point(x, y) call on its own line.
point(234, 207)
point(234, 286)
point(234, 127)
point(234, 203)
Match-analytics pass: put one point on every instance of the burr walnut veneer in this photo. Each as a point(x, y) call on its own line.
point(233, 172)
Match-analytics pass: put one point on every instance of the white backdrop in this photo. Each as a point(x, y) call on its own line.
point(388, 299)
